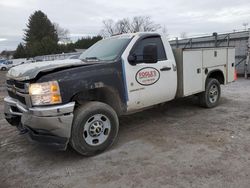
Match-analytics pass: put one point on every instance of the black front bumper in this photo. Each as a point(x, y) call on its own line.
point(47, 139)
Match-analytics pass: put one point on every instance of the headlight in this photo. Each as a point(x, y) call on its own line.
point(45, 93)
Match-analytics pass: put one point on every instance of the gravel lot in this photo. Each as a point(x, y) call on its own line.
point(175, 145)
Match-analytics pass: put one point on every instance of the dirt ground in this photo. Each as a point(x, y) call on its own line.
point(176, 145)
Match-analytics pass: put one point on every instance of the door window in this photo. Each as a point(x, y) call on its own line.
point(138, 50)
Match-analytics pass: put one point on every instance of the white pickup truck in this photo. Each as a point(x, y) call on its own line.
point(78, 102)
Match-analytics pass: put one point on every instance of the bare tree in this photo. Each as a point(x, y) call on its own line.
point(165, 31)
point(144, 23)
point(63, 34)
point(125, 25)
point(108, 27)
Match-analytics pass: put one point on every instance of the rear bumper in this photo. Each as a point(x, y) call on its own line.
point(47, 125)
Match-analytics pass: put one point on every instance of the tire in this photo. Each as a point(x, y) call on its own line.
point(211, 96)
point(95, 128)
point(3, 69)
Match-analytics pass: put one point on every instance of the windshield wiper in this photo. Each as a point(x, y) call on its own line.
point(92, 59)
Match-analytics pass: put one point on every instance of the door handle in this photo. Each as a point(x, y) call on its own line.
point(165, 69)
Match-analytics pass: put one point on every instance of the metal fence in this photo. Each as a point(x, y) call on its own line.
point(53, 57)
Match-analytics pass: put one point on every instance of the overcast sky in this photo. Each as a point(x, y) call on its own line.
point(84, 17)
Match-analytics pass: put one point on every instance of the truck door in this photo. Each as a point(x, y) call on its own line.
point(149, 84)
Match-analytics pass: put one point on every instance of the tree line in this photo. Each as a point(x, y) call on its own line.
point(42, 37)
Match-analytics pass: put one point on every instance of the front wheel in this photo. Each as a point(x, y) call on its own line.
point(211, 96)
point(95, 128)
point(3, 68)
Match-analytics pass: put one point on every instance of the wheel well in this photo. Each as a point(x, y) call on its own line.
point(218, 75)
point(105, 95)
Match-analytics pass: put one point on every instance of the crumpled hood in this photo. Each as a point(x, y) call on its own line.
point(29, 71)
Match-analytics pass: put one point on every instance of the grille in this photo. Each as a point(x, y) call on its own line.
point(17, 97)
point(16, 90)
point(19, 85)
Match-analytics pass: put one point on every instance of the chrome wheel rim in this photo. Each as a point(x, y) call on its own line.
point(96, 130)
point(213, 93)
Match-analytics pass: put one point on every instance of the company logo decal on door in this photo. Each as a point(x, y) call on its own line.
point(147, 76)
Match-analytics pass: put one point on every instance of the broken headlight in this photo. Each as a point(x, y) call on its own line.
point(45, 93)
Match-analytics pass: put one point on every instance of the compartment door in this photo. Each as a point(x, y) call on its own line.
point(214, 57)
point(230, 64)
point(192, 72)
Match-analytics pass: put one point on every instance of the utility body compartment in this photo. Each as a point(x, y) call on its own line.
point(194, 65)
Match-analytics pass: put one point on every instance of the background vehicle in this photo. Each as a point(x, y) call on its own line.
point(19, 61)
point(6, 65)
point(78, 102)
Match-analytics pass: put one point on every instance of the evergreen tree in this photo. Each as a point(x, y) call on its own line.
point(66, 48)
point(85, 43)
point(20, 52)
point(40, 36)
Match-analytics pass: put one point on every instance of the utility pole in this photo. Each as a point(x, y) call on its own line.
point(245, 24)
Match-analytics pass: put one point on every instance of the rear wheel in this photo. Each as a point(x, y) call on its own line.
point(3, 68)
point(94, 129)
point(211, 96)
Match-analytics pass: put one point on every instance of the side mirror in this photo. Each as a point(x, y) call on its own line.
point(150, 54)
point(132, 59)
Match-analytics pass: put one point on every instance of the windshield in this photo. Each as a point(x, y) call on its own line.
point(105, 50)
